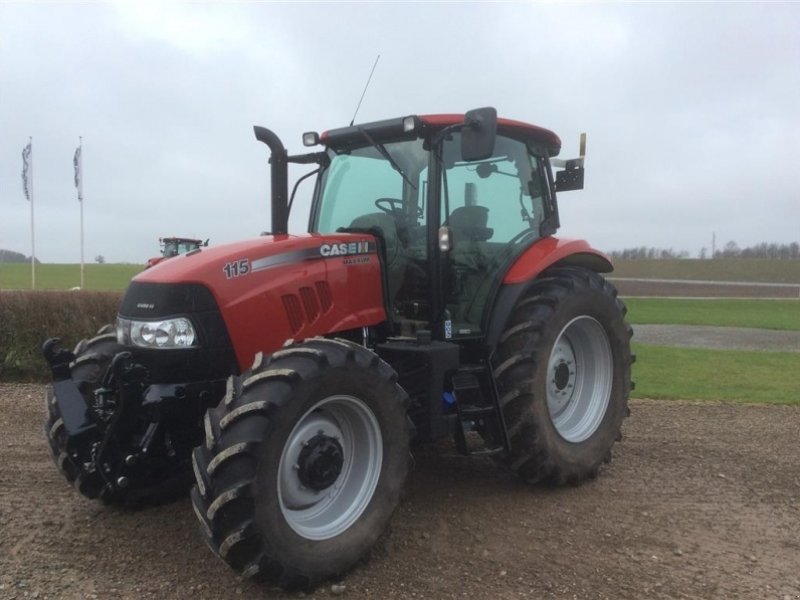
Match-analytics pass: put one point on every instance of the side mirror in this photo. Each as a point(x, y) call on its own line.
point(571, 178)
point(478, 134)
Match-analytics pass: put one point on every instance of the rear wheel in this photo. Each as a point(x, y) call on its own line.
point(304, 462)
point(563, 369)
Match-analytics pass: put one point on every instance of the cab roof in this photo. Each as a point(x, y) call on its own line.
point(394, 129)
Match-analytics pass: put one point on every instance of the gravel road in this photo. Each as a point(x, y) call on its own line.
point(700, 501)
point(723, 338)
point(685, 288)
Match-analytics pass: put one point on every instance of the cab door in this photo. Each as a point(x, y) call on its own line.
point(493, 209)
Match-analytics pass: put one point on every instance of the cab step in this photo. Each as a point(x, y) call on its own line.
point(478, 409)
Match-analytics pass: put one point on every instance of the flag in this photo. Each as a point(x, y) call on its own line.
point(26, 156)
point(76, 162)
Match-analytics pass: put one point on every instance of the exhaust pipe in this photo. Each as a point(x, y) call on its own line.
point(279, 174)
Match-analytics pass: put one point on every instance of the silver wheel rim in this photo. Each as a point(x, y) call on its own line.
point(579, 377)
point(326, 513)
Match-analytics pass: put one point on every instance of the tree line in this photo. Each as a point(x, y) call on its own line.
point(762, 250)
point(9, 256)
point(774, 251)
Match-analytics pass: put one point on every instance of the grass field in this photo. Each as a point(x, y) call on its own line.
point(727, 375)
point(732, 375)
point(762, 314)
point(760, 270)
point(17, 276)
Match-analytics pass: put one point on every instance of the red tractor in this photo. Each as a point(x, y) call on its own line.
point(285, 376)
point(174, 246)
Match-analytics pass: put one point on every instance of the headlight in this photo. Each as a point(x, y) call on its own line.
point(169, 333)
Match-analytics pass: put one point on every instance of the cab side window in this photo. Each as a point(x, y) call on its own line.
point(508, 185)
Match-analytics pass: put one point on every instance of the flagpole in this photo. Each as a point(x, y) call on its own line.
point(33, 235)
point(80, 197)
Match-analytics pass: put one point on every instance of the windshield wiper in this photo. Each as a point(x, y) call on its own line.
point(385, 154)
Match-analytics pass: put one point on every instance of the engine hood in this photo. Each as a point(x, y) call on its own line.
point(205, 265)
point(274, 288)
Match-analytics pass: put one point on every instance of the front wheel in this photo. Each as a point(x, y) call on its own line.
point(304, 462)
point(563, 369)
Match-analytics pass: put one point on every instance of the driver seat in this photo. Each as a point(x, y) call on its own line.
point(468, 223)
point(468, 228)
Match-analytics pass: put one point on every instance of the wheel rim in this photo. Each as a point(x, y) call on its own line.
point(329, 467)
point(579, 376)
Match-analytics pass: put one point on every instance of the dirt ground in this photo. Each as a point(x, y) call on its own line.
point(700, 501)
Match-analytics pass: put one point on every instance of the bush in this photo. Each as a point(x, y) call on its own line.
point(28, 318)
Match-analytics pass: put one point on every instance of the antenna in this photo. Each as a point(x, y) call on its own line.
point(377, 58)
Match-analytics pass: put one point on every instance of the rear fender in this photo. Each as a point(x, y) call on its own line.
point(544, 254)
point(550, 252)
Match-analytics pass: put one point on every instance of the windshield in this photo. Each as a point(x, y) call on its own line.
point(175, 247)
point(363, 182)
point(184, 247)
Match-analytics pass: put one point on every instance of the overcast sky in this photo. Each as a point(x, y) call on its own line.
point(692, 110)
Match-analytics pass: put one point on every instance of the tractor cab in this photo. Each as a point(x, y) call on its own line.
point(448, 244)
point(175, 246)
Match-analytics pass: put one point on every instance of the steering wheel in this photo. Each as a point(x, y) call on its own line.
point(391, 206)
point(394, 207)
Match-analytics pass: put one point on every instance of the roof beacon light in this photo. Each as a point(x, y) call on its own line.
point(409, 124)
point(310, 138)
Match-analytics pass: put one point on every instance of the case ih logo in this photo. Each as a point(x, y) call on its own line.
point(362, 247)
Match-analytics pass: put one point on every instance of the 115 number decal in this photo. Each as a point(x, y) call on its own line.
point(236, 268)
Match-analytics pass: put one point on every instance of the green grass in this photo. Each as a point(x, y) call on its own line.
point(735, 269)
point(730, 375)
point(17, 276)
point(727, 375)
point(763, 314)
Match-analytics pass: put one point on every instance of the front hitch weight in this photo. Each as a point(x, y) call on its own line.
point(75, 415)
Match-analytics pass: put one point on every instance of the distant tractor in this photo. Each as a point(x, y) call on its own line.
point(174, 246)
point(287, 375)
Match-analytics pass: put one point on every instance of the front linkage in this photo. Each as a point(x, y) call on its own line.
point(116, 437)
